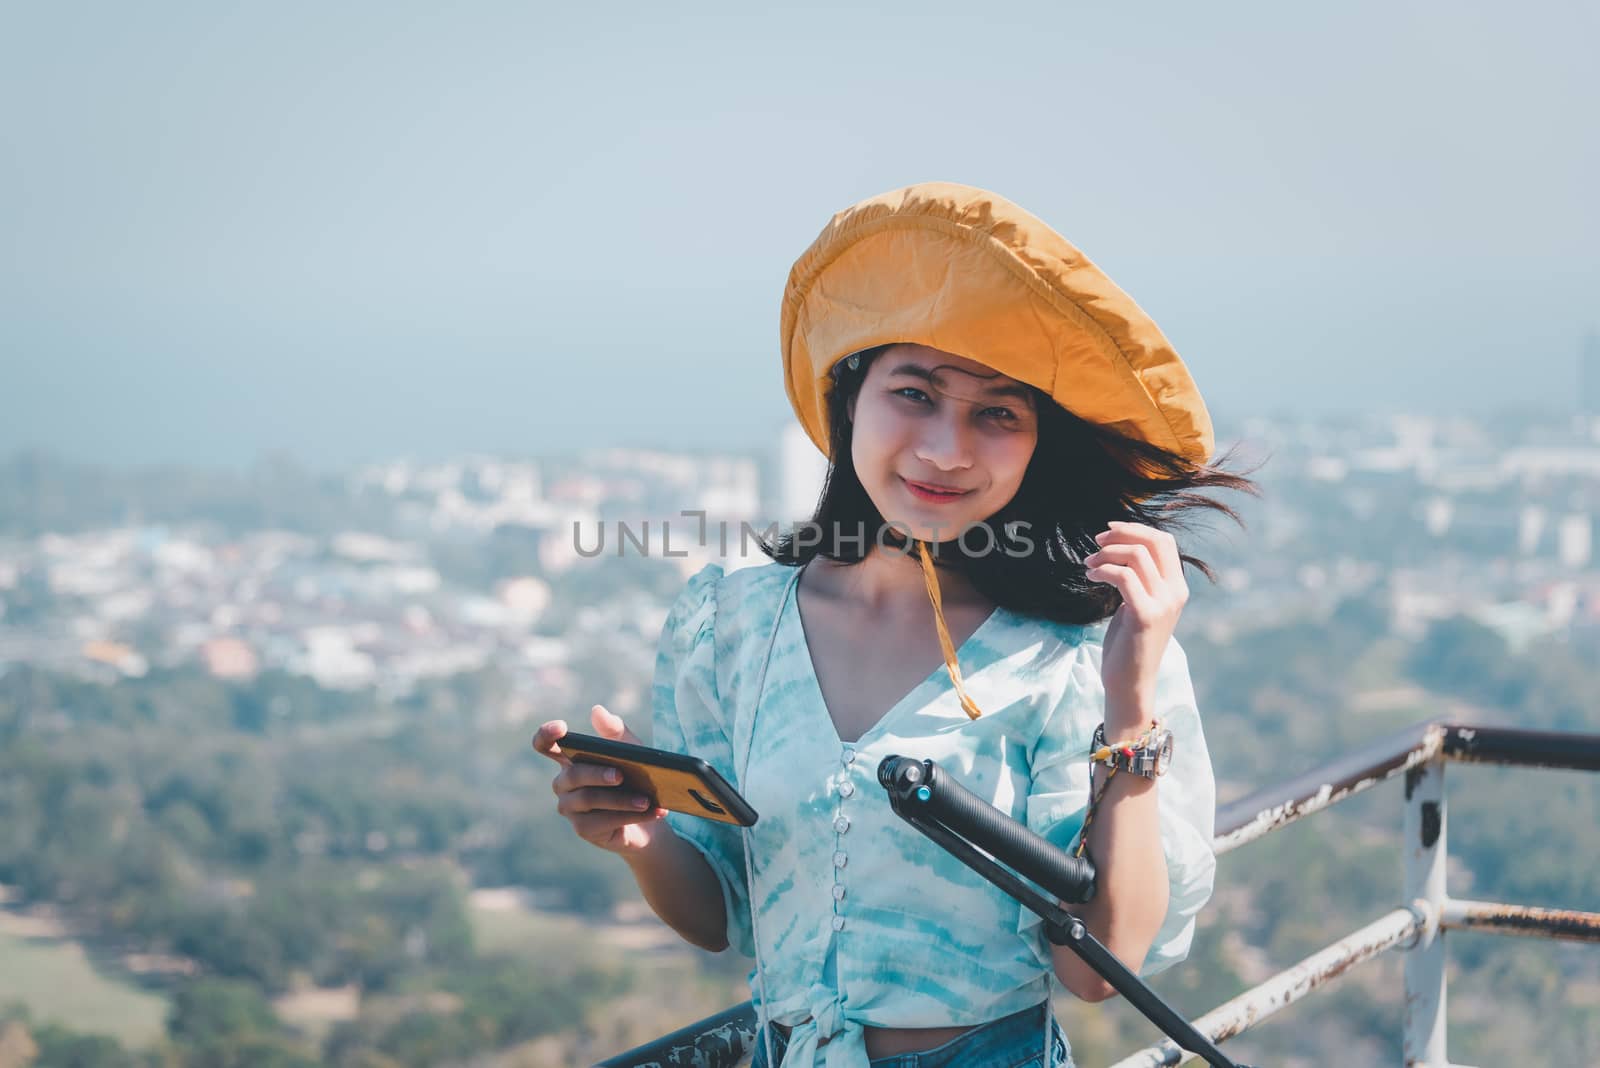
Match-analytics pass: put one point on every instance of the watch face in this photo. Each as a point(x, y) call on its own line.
point(1164, 754)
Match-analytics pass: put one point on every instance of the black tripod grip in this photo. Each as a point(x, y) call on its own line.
point(923, 786)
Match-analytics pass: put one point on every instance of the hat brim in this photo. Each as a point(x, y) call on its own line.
point(966, 271)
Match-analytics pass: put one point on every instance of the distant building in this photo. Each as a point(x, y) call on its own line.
point(1519, 623)
point(1572, 540)
point(115, 654)
point(1436, 515)
point(524, 597)
point(801, 472)
point(1530, 528)
point(229, 658)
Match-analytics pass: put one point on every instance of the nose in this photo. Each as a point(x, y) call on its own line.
point(946, 441)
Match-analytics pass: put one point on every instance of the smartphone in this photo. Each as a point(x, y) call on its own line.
point(670, 780)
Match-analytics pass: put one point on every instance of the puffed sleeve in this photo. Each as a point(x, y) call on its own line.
point(687, 717)
point(1186, 795)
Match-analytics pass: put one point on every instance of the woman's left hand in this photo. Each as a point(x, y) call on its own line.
point(1142, 563)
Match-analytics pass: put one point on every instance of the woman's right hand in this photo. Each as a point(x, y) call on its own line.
point(617, 820)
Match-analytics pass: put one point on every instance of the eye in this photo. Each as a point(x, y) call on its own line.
point(1003, 414)
point(902, 391)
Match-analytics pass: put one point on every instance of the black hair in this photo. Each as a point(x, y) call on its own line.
point(1081, 476)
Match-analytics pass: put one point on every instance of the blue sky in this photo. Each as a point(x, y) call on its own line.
point(357, 231)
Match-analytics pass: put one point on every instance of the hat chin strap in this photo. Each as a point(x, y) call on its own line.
point(931, 581)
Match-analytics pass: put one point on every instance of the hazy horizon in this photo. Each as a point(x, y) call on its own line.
point(356, 233)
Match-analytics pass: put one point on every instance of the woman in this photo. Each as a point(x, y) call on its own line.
point(1010, 439)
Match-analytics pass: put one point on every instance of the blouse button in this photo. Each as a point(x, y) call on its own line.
point(838, 892)
point(840, 860)
point(842, 824)
point(846, 788)
point(849, 757)
point(838, 923)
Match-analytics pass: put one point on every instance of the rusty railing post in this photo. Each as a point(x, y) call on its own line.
point(1425, 856)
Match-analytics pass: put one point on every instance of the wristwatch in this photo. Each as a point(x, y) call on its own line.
point(1149, 760)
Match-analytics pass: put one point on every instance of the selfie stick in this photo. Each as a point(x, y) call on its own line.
point(927, 797)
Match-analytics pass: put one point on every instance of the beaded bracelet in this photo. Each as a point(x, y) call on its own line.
point(1101, 753)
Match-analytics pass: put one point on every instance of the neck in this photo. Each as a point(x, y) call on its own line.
point(889, 582)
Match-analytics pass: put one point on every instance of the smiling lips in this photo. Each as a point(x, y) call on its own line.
point(925, 491)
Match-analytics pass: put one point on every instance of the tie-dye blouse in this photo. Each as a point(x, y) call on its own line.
point(862, 920)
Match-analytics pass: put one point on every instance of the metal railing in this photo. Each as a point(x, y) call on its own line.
point(1419, 753)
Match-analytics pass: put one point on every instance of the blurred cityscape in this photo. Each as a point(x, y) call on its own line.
point(1492, 520)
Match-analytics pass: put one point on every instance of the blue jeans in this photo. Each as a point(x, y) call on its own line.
point(1014, 1041)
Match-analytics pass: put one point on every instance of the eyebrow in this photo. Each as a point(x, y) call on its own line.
point(1018, 390)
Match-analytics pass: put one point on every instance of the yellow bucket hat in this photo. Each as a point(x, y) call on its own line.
point(966, 271)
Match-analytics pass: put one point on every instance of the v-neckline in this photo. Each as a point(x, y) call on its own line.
point(809, 669)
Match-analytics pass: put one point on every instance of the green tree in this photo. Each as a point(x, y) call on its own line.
point(212, 1010)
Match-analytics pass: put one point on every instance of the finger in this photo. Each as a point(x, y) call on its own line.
point(579, 775)
point(574, 803)
point(545, 739)
point(1162, 545)
point(598, 826)
point(1137, 556)
point(1127, 582)
point(610, 725)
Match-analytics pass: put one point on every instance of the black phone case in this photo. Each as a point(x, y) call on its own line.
point(672, 780)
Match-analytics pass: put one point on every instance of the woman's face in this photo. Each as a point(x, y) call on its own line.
point(929, 418)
